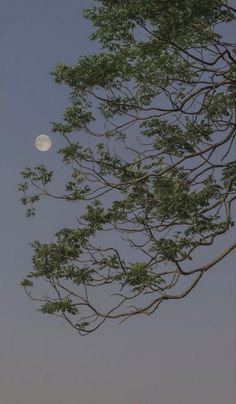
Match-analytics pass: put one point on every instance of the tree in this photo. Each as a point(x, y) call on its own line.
point(149, 137)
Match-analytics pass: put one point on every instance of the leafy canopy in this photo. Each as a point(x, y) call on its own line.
point(149, 136)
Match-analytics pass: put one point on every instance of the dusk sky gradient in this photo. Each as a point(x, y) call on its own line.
point(184, 353)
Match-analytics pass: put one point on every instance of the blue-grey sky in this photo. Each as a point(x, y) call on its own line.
point(184, 354)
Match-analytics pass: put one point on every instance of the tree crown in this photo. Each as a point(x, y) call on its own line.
point(149, 136)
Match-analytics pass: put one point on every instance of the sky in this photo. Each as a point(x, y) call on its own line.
point(183, 354)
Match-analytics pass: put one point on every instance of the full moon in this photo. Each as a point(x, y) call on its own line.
point(43, 142)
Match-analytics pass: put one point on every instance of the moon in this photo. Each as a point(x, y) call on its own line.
point(43, 142)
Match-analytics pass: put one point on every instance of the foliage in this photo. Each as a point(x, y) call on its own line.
point(158, 175)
